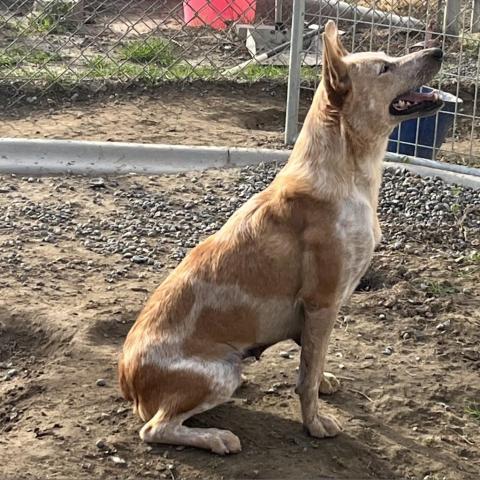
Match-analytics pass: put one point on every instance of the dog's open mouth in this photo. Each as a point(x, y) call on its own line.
point(415, 102)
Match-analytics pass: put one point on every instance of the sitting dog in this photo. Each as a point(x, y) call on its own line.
point(284, 263)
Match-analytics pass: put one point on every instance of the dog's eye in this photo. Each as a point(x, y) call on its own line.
point(384, 68)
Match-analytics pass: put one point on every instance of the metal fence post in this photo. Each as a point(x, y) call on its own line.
point(476, 16)
point(294, 72)
point(451, 19)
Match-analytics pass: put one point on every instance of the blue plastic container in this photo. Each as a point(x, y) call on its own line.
point(422, 146)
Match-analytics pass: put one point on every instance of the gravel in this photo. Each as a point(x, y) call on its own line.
point(152, 228)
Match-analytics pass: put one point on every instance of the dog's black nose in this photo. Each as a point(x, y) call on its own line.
point(437, 53)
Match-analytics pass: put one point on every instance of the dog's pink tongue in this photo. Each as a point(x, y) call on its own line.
point(417, 97)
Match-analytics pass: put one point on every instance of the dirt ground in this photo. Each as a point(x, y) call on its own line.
point(200, 114)
point(405, 350)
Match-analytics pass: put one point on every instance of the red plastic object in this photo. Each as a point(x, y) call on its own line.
point(215, 13)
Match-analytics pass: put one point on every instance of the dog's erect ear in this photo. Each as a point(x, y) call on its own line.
point(335, 73)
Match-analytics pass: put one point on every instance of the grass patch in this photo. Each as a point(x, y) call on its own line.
point(438, 289)
point(151, 50)
point(104, 68)
point(15, 56)
point(255, 72)
point(456, 190)
point(471, 44)
point(474, 258)
point(55, 17)
point(474, 411)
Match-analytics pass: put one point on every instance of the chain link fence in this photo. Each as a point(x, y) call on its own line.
point(73, 49)
point(55, 44)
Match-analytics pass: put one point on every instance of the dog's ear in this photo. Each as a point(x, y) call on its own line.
point(335, 72)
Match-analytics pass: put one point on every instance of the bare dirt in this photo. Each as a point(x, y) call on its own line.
point(200, 114)
point(221, 114)
point(405, 350)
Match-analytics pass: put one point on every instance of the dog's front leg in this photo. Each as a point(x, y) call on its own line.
point(316, 331)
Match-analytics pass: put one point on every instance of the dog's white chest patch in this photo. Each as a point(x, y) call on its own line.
point(355, 228)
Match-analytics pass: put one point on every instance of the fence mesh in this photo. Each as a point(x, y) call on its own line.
point(65, 43)
point(398, 27)
point(73, 48)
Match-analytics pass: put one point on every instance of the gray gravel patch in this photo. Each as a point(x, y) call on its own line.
point(153, 228)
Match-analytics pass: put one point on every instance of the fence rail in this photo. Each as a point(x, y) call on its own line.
point(50, 47)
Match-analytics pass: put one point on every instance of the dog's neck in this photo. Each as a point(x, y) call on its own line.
point(335, 157)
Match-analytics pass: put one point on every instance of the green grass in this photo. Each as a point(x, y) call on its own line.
point(152, 50)
point(14, 56)
point(455, 208)
point(456, 190)
point(474, 258)
point(471, 44)
point(474, 411)
point(54, 18)
point(104, 68)
point(116, 68)
point(439, 289)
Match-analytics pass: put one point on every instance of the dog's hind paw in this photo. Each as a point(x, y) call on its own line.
point(329, 384)
point(223, 442)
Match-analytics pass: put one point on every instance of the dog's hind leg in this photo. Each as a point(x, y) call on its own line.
point(186, 393)
point(173, 432)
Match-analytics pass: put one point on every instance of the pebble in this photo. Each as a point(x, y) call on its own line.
point(101, 382)
point(119, 461)
point(154, 228)
point(100, 444)
point(388, 350)
point(285, 355)
point(444, 325)
point(12, 372)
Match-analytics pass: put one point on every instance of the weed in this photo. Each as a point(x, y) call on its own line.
point(438, 289)
point(152, 50)
point(456, 190)
point(15, 56)
point(455, 208)
point(55, 17)
point(471, 44)
point(474, 257)
point(474, 411)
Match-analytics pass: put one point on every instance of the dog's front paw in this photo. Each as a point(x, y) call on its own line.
point(324, 426)
point(329, 384)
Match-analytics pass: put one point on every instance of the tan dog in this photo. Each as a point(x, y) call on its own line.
point(284, 263)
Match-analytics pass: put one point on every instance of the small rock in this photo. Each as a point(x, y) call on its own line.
point(101, 444)
point(285, 355)
point(101, 382)
point(444, 325)
point(97, 183)
point(119, 461)
point(139, 259)
point(388, 350)
point(12, 373)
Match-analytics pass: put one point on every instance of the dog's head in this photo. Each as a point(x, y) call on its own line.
point(374, 91)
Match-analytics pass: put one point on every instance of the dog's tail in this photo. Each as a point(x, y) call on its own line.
point(127, 391)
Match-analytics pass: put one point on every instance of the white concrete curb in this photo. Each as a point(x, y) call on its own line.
point(31, 157)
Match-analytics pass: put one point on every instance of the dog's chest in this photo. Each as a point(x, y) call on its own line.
point(355, 227)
